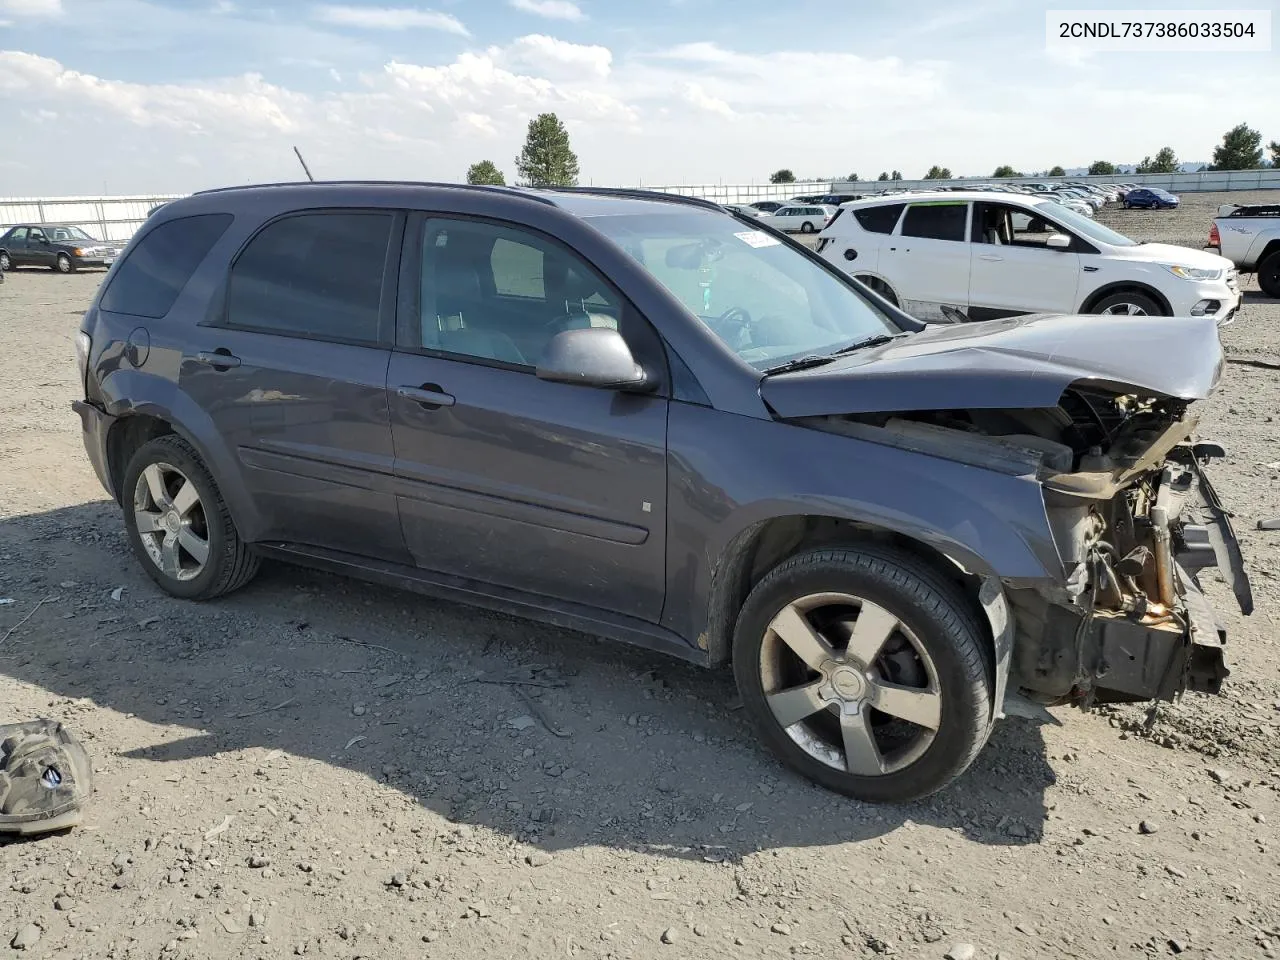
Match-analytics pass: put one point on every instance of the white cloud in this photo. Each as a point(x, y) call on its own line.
point(694, 95)
point(696, 113)
point(390, 18)
point(247, 101)
point(223, 7)
point(555, 58)
point(551, 9)
point(32, 8)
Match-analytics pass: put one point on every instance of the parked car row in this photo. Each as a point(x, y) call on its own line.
point(992, 255)
point(1082, 197)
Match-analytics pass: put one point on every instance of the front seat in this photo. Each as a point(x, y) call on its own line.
point(453, 308)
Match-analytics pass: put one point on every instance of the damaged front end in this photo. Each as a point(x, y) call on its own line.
point(1134, 519)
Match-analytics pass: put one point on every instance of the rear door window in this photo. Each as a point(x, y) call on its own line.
point(936, 221)
point(879, 219)
point(317, 275)
point(147, 282)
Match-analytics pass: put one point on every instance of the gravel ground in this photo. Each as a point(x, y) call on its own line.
point(315, 766)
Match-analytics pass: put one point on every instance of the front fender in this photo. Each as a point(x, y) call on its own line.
point(127, 391)
point(730, 475)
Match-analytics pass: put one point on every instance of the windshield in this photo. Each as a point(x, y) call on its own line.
point(68, 233)
point(766, 301)
point(1084, 226)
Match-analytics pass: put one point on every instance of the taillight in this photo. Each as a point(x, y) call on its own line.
point(1215, 240)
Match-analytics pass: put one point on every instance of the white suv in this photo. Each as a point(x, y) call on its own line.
point(996, 255)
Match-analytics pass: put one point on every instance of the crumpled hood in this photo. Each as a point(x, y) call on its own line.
point(1015, 363)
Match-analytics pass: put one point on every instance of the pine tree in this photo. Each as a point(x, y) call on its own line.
point(547, 160)
point(486, 172)
point(1241, 149)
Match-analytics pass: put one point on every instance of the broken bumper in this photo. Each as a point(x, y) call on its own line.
point(1158, 658)
point(96, 424)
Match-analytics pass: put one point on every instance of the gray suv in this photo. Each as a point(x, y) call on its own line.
point(643, 417)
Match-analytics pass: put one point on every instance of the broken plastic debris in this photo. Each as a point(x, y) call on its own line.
point(5, 601)
point(220, 828)
point(521, 722)
point(117, 593)
point(352, 742)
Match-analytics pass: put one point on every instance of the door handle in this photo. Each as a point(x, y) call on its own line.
point(990, 256)
point(220, 359)
point(429, 395)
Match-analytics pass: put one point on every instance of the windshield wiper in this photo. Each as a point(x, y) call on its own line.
point(800, 363)
point(875, 341)
point(804, 363)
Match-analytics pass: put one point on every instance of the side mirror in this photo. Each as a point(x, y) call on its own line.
point(592, 357)
point(1058, 241)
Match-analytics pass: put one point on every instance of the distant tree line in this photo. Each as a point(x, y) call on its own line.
point(548, 160)
point(1241, 149)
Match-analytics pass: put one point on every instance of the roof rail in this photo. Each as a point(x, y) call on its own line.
point(637, 194)
point(483, 188)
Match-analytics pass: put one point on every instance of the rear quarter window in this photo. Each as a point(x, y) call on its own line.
point(935, 221)
point(147, 282)
point(879, 219)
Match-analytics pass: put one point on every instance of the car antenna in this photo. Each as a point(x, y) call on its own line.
point(305, 168)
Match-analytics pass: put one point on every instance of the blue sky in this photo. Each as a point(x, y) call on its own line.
point(174, 95)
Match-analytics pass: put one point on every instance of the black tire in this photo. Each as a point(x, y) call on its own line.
point(5, 263)
point(1269, 274)
point(932, 608)
point(231, 562)
point(876, 285)
point(806, 227)
point(1141, 301)
point(65, 264)
point(1128, 205)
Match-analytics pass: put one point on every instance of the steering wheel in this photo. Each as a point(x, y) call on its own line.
point(735, 318)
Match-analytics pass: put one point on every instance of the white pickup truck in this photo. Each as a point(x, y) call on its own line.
point(1249, 236)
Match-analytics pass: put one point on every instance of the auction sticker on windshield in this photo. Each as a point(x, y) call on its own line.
point(1138, 31)
point(757, 238)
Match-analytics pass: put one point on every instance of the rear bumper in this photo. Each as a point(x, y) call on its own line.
point(96, 424)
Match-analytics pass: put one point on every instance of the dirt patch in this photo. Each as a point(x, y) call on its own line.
point(315, 766)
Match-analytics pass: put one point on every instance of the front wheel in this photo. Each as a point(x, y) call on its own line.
point(64, 264)
point(179, 525)
point(866, 671)
point(5, 263)
point(1128, 304)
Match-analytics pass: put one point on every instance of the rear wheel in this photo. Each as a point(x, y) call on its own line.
point(1129, 304)
point(876, 285)
point(866, 671)
point(64, 264)
point(806, 227)
point(1269, 274)
point(179, 525)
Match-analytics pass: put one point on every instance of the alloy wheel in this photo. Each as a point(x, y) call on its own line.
point(5, 263)
point(1124, 310)
point(171, 521)
point(64, 264)
point(850, 684)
